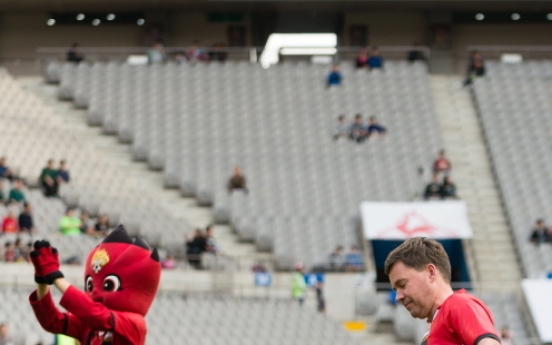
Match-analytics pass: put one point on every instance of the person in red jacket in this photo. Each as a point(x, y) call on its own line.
point(121, 280)
point(9, 224)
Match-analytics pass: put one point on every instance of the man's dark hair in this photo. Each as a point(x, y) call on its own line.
point(417, 253)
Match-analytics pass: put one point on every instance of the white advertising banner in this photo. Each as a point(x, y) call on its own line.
point(538, 298)
point(402, 220)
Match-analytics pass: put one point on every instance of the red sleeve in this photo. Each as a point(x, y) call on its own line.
point(95, 315)
point(472, 321)
point(54, 321)
point(130, 326)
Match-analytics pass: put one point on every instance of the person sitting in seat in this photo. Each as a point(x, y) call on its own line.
point(49, 179)
point(334, 77)
point(375, 61)
point(357, 132)
point(341, 129)
point(237, 181)
point(16, 193)
point(353, 260)
point(433, 189)
point(5, 171)
point(442, 164)
point(337, 259)
point(63, 175)
point(9, 224)
point(374, 129)
point(448, 189)
point(541, 234)
point(69, 225)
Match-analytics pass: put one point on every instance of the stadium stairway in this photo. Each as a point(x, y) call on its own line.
point(150, 181)
point(493, 255)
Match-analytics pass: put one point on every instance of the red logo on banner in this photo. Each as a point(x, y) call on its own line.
point(413, 224)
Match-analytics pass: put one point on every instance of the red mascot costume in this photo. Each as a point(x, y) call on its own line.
point(121, 279)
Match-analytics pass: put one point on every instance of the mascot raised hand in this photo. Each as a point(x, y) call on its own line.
point(121, 280)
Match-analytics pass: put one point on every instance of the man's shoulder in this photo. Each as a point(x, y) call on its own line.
point(461, 299)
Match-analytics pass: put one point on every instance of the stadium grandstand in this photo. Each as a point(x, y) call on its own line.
point(274, 153)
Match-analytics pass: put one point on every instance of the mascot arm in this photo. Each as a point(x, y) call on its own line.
point(95, 315)
point(98, 317)
point(52, 320)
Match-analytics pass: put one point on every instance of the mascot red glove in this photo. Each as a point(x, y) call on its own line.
point(121, 280)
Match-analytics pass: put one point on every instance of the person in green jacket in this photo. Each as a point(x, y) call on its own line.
point(69, 225)
point(16, 193)
point(298, 284)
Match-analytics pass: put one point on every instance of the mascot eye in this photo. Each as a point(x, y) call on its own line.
point(89, 284)
point(111, 283)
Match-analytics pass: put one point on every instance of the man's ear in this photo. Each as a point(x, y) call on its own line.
point(432, 272)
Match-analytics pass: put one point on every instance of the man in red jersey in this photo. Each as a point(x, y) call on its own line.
point(420, 273)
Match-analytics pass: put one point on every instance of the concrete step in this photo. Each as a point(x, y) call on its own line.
point(494, 254)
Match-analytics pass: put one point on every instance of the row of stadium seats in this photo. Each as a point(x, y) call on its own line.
point(198, 122)
point(514, 103)
point(29, 135)
point(207, 320)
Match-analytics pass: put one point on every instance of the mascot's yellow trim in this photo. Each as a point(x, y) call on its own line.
point(99, 260)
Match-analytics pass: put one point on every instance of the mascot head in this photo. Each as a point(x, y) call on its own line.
point(123, 274)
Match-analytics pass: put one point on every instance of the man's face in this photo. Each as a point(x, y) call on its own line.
point(414, 289)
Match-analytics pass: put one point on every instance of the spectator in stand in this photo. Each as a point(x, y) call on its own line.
point(334, 77)
point(506, 336)
point(5, 338)
point(168, 263)
point(26, 223)
point(87, 225)
point(9, 252)
point(416, 54)
point(2, 198)
point(49, 179)
point(195, 53)
point(9, 224)
point(69, 225)
point(448, 189)
point(62, 173)
point(375, 61)
point(16, 193)
point(211, 245)
point(433, 189)
point(74, 54)
point(194, 248)
point(476, 68)
point(5, 171)
point(320, 301)
point(298, 284)
point(541, 234)
point(101, 228)
point(156, 54)
point(353, 260)
point(237, 181)
point(27, 254)
point(19, 251)
point(362, 59)
point(442, 164)
point(337, 259)
point(357, 132)
point(341, 129)
point(374, 128)
point(217, 53)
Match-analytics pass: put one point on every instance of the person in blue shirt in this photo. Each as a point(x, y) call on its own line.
point(62, 173)
point(374, 128)
point(334, 77)
point(375, 61)
point(353, 260)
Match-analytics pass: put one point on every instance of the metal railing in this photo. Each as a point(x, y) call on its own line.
point(232, 53)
